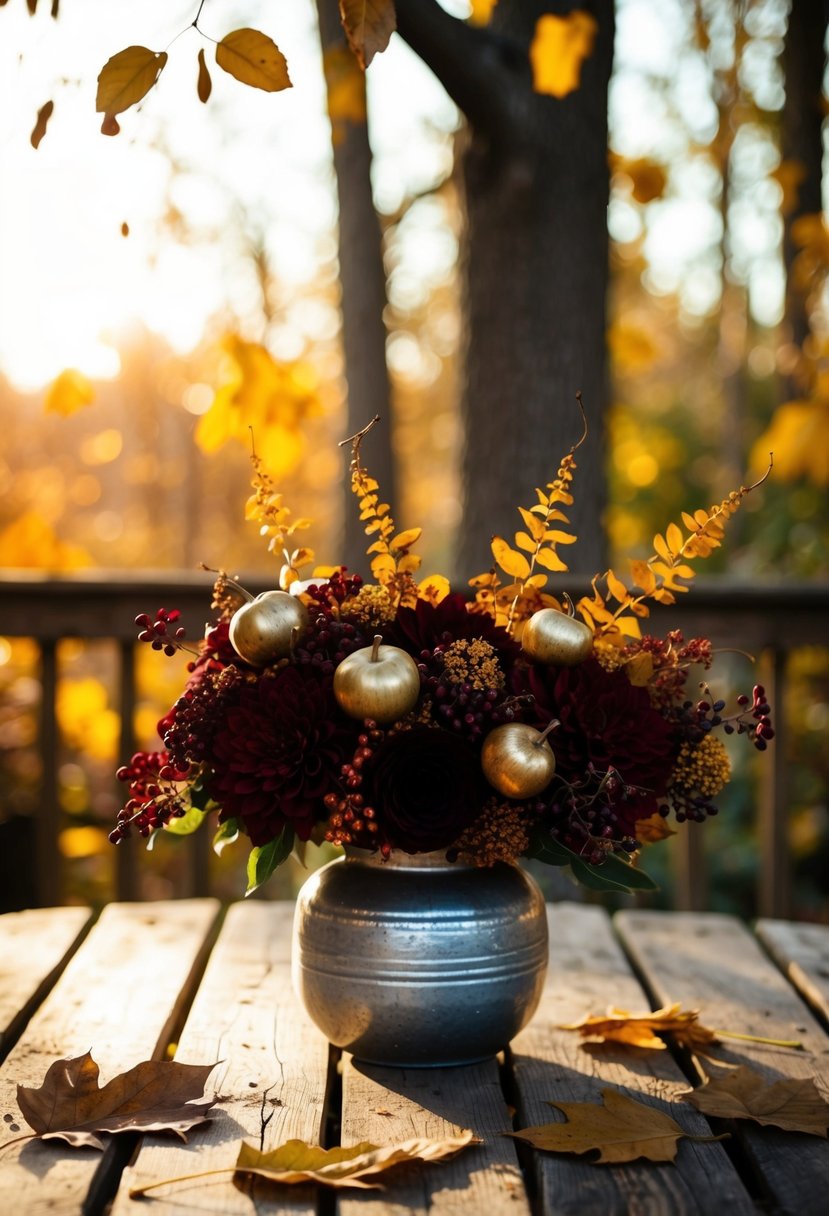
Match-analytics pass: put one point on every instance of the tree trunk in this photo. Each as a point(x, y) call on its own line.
point(802, 139)
point(363, 284)
point(534, 269)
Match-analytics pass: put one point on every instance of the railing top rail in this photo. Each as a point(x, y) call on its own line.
point(757, 613)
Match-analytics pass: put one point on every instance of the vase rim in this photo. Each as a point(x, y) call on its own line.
point(399, 859)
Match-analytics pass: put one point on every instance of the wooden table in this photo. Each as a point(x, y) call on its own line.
point(217, 987)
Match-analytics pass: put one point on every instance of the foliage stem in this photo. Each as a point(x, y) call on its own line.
point(795, 1044)
point(138, 1192)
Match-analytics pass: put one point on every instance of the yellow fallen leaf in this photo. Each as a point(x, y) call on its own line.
point(127, 77)
point(621, 1130)
point(559, 47)
point(253, 58)
point(640, 1029)
point(298, 1162)
point(69, 392)
point(742, 1093)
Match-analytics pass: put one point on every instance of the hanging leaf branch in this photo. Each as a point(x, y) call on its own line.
point(392, 563)
point(659, 577)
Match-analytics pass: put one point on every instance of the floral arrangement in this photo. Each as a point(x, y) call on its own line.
point(400, 714)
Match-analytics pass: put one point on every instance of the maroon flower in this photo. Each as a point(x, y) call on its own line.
point(425, 786)
point(428, 625)
point(608, 722)
point(278, 752)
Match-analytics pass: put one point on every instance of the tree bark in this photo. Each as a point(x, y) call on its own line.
point(802, 138)
point(534, 268)
point(363, 285)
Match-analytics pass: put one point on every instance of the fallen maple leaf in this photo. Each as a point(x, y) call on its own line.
point(295, 1162)
point(621, 1130)
point(794, 1105)
point(153, 1096)
point(640, 1029)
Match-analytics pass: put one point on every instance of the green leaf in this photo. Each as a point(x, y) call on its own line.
point(190, 822)
point(227, 833)
point(614, 874)
point(253, 58)
point(264, 859)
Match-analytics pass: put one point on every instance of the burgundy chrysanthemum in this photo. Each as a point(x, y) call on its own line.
point(428, 625)
point(608, 722)
point(278, 752)
point(426, 787)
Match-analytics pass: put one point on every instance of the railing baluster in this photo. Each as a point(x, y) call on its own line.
point(126, 866)
point(690, 870)
point(48, 868)
point(774, 879)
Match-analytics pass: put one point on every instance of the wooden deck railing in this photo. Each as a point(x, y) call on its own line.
point(767, 620)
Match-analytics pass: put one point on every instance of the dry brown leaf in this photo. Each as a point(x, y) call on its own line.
point(796, 1106)
point(368, 25)
point(655, 827)
point(620, 1130)
point(640, 1029)
point(126, 78)
point(204, 85)
point(153, 1096)
point(39, 129)
point(254, 59)
point(297, 1162)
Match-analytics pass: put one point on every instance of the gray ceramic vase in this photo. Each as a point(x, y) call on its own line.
point(416, 961)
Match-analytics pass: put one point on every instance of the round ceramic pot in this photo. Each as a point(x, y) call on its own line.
point(417, 961)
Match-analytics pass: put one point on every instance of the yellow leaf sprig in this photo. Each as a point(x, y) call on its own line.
point(513, 603)
point(658, 578)
point(266, 508)
point(392, 563)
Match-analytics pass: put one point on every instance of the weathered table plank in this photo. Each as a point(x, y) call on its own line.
point(588, 973)
point(386, 1105)
point(801, 951)
point(274, 1074)
point(712, 963)
point(121, 996)
point(34, 946)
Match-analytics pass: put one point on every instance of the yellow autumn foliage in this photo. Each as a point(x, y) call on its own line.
point(558, 49)
point(69, 392)
point(86, 721)
point(799, 437)
point(273, 398)
point(30, 542)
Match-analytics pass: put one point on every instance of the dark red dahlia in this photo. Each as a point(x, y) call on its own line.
point(608, 722)
point(426, 626)
point(426, 787)
point(278, 752)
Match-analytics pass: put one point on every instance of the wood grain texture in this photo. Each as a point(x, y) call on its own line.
point(588, 972)
point(387, 1105)
point(801, 952)
point(272, 1080)
point(712, 963)
point(34, 947)
point(119, 996)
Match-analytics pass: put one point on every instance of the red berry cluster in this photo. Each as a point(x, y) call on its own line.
point(350, 820)
point(157, 632)
point(154, 798)
point(189, 728)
